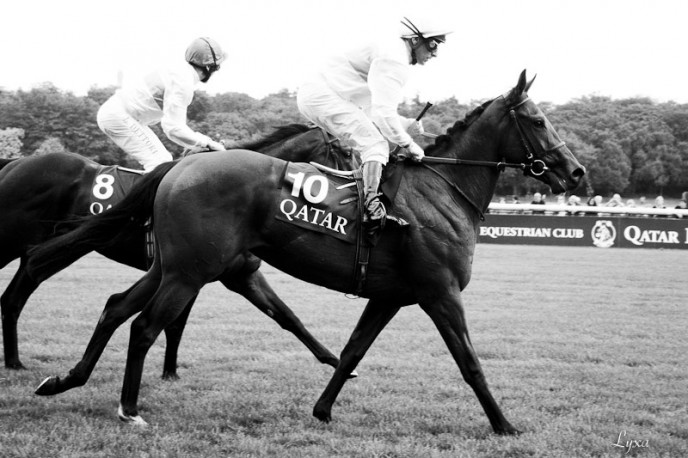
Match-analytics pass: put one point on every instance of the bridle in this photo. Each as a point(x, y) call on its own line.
point(531, 166)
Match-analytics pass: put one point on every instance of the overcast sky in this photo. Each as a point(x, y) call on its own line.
point(617, 48)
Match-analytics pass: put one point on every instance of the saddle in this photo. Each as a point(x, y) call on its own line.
point(110, 184)
point(326, 200)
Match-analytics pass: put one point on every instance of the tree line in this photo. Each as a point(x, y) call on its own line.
point(629, 146)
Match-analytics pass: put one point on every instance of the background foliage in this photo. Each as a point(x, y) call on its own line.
point(630, 146)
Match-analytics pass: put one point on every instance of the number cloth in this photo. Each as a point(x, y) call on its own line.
point(110, 185)
point(318, 202)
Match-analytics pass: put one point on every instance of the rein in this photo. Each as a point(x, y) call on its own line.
point(333, 146)
point(480, 211)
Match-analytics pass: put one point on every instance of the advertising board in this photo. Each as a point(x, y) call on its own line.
point(602, 232)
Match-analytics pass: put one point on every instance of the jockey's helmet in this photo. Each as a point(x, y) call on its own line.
point(423, 33)
point(206, 54)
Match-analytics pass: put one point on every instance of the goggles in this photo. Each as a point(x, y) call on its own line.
point(431, 44)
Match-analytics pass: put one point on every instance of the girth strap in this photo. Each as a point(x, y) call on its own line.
point(362, 247)
point(150, 242)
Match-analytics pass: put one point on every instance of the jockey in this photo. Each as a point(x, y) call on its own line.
point(356, 95)
point(161, 96)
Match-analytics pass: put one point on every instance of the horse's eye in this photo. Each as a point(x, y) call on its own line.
point(539, 123)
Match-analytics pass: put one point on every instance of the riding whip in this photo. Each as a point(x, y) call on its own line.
point(427, 106)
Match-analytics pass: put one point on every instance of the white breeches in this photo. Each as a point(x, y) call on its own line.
point(326, 109)
point(136, 139)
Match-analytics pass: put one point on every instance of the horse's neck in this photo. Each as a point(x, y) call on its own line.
point(477, 182)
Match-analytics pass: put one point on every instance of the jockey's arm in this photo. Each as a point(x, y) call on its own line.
point(386, 80)
point(177, 98)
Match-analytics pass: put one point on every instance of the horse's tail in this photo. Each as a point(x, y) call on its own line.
point(98, 231)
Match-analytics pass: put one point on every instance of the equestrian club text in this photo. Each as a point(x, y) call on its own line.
point(633, 234)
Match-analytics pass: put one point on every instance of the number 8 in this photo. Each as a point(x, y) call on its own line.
point(103, 188)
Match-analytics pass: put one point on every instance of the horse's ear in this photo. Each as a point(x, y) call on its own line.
point(530, 83)
point(513, 95)
point(521, 85)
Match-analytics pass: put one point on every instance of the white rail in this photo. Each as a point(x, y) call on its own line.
point(573, 210)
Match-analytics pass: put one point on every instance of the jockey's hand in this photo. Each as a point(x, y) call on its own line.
point(415, 151)
point(415, 128)
point(193, 150)
point(215, 146)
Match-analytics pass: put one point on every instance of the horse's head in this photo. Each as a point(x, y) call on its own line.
point(533, 141)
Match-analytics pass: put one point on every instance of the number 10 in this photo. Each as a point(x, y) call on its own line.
point(301, 182)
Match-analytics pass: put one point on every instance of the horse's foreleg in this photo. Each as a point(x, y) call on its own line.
point(167, 304)
point(12, 303)
point(173, 335)
point(447, 314)
point(256, 289)
point(375, 317)
point(118, 309)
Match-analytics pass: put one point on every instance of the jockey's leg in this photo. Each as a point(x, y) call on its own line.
point(136, 139)
point(375, 212)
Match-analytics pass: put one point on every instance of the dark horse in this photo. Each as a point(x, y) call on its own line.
point(42, 195)
point(205, 227)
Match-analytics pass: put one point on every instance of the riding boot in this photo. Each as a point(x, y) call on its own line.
point(375, 213)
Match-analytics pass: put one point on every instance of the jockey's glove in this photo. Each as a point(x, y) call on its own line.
point(415, 128)
point(415, 151)
point(215, 146)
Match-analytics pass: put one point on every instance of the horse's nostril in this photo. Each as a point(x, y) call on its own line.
point(578, 173)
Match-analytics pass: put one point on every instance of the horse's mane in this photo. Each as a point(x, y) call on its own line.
point(4, 162)
point(461, 125)
point(280, 133)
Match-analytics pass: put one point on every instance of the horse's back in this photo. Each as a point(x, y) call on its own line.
point(221, 170)
point(219, 195)
point(38, 191)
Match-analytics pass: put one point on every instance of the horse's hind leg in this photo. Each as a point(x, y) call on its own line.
point(173, 337)
point(170, 301)
point(12, 303)
point(447, 314)
point(118, 309)
point(256, 289)
point(375, 317)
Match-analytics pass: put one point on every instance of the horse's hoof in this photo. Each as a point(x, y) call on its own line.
point(15, 365)
point(508, 430)
point(135, 420)
point(353, 374)
point(48, 386)
point(171, 376)
point(322, 414)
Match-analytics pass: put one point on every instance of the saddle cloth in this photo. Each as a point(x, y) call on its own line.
point(319, 202)
point(110, 185)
